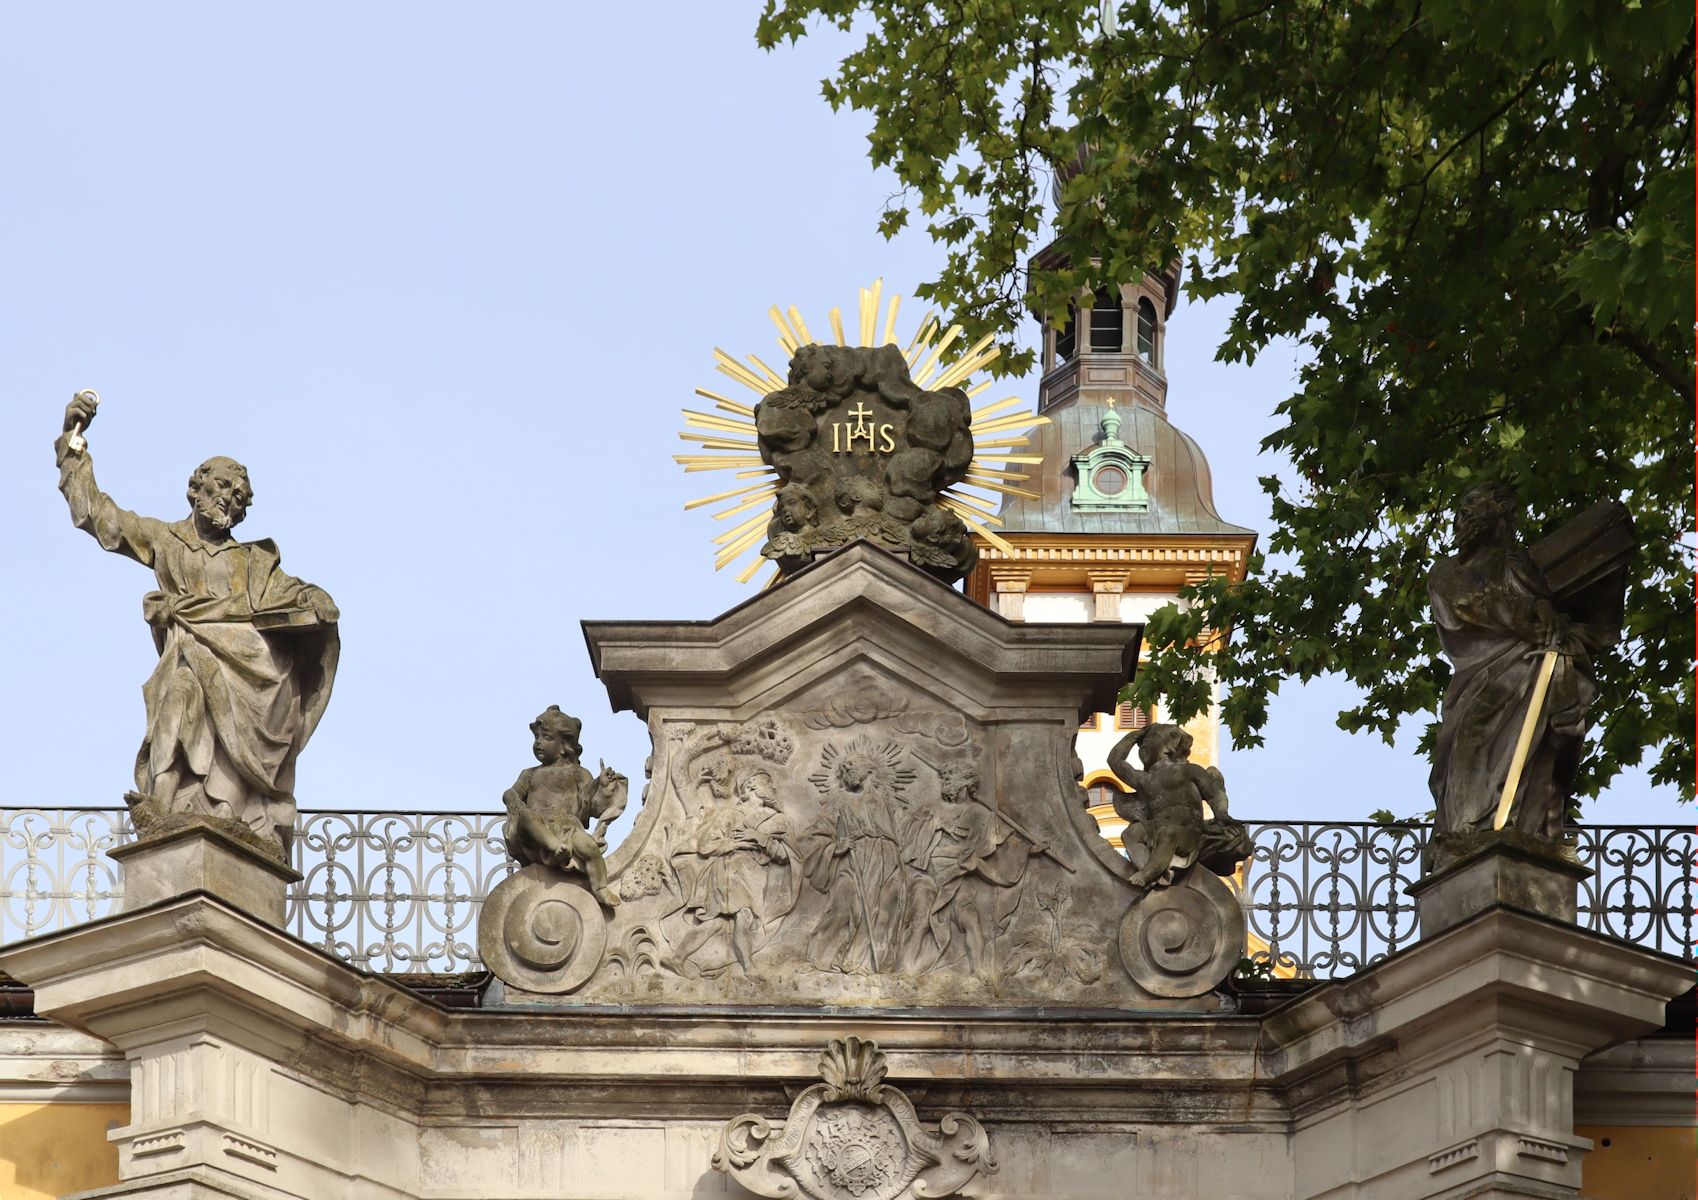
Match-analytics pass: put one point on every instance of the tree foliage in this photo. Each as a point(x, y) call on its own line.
point(1476, 216)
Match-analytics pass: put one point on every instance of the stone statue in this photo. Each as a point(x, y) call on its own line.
point(1519, 625)
point(247, 654)
point(862, 451)
point(1166, 807)
point(550, 805)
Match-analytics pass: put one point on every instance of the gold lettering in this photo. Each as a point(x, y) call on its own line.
point(879, 438)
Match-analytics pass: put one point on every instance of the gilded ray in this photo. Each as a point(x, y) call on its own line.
point(717, 441)
point(936, 358)
point(992, 485)
point(702, 420)
point(980, 414)
point(729, 405)
point(990, 535)
point(778, 380)
point(731, 535)
point(890, 322)
point(1018, 421)
point(760, 498)
point(787, 337)
point(969, 498)
point(715, 499)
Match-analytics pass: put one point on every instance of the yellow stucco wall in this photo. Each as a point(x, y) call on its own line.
point(52, 1150)
point(1629, 1162)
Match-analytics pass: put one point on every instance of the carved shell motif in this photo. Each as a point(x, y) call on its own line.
point(852, 1070)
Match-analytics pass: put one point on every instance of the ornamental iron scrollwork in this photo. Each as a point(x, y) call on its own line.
point(397, 892)
point(853, 1137)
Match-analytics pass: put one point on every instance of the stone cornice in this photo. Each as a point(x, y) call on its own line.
point(860, 602)
point(1582, 989)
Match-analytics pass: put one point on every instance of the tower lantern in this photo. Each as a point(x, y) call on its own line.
point(1125, 514)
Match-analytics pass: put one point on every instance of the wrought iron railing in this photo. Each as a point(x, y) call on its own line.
point(400, 891)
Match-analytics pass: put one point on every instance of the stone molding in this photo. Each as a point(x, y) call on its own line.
point(680, 663)
point(241, 1040)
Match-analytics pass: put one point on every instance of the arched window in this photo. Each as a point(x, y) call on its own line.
point(1146, 330)
point(1064, 340)
point(1105, 322)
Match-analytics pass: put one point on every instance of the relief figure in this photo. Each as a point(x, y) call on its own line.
point(852, 854)
point(739, 878)
point(967, 864)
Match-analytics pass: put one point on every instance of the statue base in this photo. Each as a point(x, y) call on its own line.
point(1505, 869)
point(201, 858)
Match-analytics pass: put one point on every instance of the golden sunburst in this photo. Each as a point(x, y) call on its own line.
point(726, 437)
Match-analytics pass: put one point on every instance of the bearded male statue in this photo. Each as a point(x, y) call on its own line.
point(247, 654)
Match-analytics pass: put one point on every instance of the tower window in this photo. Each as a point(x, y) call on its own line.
point(1064, 340)
point(1105, 322)
point(1146, 330)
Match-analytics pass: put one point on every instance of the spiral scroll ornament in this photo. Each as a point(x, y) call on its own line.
point(542, 931)
point(1183, 940)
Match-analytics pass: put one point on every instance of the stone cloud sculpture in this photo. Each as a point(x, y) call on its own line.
point(862, 451)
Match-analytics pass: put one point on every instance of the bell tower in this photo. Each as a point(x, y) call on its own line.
point(1125, 514)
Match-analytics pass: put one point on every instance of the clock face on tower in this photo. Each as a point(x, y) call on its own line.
point(861, 440)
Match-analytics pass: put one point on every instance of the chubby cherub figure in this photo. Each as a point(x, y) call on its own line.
point(1166, 806)
point(550, 805)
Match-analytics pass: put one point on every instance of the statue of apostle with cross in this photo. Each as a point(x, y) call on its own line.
point(247, 654)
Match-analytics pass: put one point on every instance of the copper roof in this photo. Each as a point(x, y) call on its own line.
point(1181, 492)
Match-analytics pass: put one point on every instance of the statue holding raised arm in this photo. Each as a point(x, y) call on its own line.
point(247, 654)
point(1176, 808)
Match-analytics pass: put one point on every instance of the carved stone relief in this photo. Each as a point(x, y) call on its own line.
point(853, 1137)
point(860, 845)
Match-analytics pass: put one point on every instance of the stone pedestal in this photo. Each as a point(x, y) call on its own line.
point(1497, 870)
point(203, 858)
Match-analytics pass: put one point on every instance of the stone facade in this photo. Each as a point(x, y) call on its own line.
point(256, 1067)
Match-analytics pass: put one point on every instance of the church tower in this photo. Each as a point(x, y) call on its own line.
point(1126, 515)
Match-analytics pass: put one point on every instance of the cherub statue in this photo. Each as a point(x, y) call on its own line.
point(550, 805)
point(1165, 808)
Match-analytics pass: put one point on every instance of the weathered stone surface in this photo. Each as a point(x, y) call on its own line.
point(542, 931)
point(550, 806)
point(1510, 869)
point(862, 451)
point(263, 1067)
point(853, 1137)
point(1520, 625)
point(200, 856)
point(247, 654)
point(863, 794)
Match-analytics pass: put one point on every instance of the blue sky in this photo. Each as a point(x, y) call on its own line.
point(442, 278)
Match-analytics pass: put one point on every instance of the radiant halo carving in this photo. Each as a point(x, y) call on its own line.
point(726, 440)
